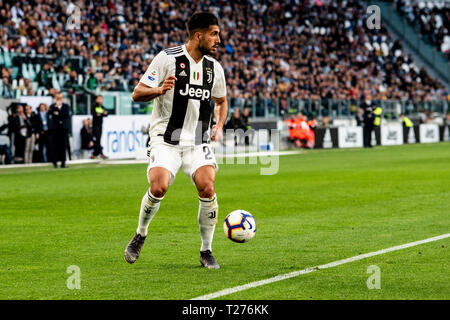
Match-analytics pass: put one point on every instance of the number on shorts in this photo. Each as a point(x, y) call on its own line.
point(207, 152)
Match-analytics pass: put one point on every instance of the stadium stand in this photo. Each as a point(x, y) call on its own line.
point(271, 50)
point(431, 18)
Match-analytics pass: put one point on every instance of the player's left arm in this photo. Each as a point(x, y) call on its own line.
point(221, 114)
point(219, 94)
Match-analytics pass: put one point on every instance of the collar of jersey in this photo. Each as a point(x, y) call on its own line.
point(189, 56)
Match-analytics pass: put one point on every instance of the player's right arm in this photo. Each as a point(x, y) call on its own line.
point(145, 93)
point(155, 81)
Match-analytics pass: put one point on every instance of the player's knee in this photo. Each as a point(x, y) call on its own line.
point(159, 189)
point(159, 179)
point(206, 190)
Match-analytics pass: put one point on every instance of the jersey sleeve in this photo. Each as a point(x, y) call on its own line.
point(219, 88)
point(156, 71)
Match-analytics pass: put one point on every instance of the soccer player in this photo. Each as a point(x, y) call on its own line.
point(182, 80)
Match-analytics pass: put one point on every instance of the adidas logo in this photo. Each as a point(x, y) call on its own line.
point(183, 74)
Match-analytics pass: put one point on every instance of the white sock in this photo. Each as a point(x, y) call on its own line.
point(149, 207)
point(207, 218)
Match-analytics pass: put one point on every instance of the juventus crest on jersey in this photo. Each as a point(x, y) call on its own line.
point(183, 115)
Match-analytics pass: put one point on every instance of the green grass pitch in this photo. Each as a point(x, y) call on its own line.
point(322, 206)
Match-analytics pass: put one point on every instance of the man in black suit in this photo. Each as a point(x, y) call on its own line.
point(58, 129)
point(368, 124)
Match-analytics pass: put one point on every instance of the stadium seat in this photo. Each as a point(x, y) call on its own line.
point(405, 67)
point(31, 72)
point(15, 72)
point(125, 85)
point(41, 91)
point(25, 72)
point(34, 84)
point(7, 59)
point(368, 46)
point(376, 46)
point(61, 78)
point(55, 83)
point(385, 48)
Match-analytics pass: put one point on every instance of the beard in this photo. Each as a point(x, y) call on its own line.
point(205, 50)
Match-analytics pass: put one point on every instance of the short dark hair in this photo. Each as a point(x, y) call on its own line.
point(201, 20)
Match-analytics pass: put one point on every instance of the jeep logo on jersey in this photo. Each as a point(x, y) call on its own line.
point(196, 92)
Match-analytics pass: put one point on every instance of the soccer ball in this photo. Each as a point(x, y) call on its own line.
point(239, 226)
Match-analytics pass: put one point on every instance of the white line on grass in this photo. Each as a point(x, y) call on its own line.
point(312, 269)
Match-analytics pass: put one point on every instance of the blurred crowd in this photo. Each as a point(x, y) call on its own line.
point(298, 49)
point(24, 134)
point(43, 135)
point(432, 18)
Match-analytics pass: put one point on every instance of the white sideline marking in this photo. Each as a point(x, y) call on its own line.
point(312, 269)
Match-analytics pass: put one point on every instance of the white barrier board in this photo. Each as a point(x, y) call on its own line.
point(350, 137)
point(122, 136)
point(429, 133)
point(391, 134)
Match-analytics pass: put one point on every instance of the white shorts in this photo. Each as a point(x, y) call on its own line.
point(172, 157)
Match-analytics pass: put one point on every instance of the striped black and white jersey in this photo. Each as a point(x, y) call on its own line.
point(183, 115)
